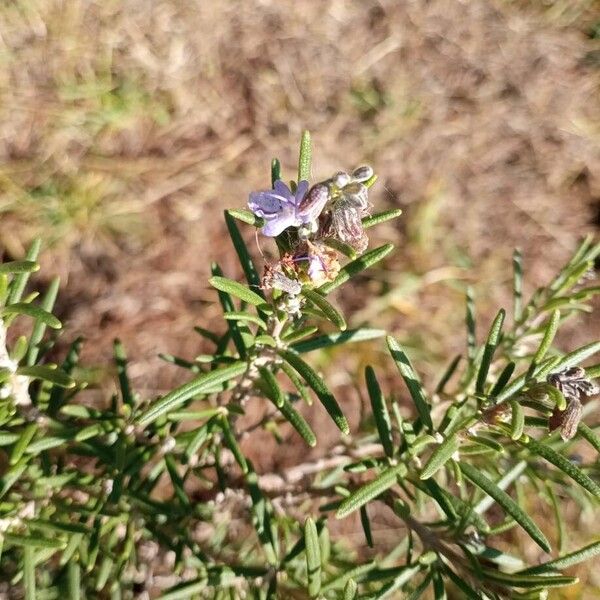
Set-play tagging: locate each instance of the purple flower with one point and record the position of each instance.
(282, 209)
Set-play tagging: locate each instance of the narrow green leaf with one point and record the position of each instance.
(200, 384)
(589, 436)
(512, 580)
(366, 526)
(242, 316)
(19, 266)
(39, 329)
(298, 384)
(368, 259)
(24, 439)
(341, 247)
(503, 379)
(356, 573)
(517, 285)
(17, 285)
(252, 276)
(568, 560)
(412, 381)
(506, 502)
(549, 333)
(380, 412)
(381, 217)
(74, 580)
(274, 391)
(262, 517)
(470, 322)
(275, 171)
(330, 312)
(28, 541)
(350, 590)
(564, 464)
(238, 290)
(334, 339)
(371, 490)
(571, 360)
(47, 373)
(246, 216)
(29, 310)
(507, 479)
(517, 420)
(317, 385)
(29, 573)
(305, 158)
(448, 374)
(440, 456)
(231, 443)
(121, 362)
(235, 330)
(488, 352)
(186, 591)
(313, 557)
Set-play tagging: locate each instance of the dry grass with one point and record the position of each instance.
(126, 127)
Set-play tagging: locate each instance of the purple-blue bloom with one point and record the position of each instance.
(280, 208)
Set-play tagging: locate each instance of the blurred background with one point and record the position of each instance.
(126, 127)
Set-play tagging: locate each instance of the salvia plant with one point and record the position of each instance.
(144, 497)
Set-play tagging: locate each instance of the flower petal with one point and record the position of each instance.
(266, 202)
(277, 223)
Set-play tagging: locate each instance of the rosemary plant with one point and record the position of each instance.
(154, 497)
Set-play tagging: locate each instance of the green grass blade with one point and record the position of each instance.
(506, 502)
(380, 412)
(356, 266)
(412, 381)
(317, 385)
(371, 490)
(488, 352)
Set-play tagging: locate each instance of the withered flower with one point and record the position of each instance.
(573, 384)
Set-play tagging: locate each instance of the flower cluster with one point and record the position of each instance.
(309, 223)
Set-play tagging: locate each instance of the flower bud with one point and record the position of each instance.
(362, 174)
